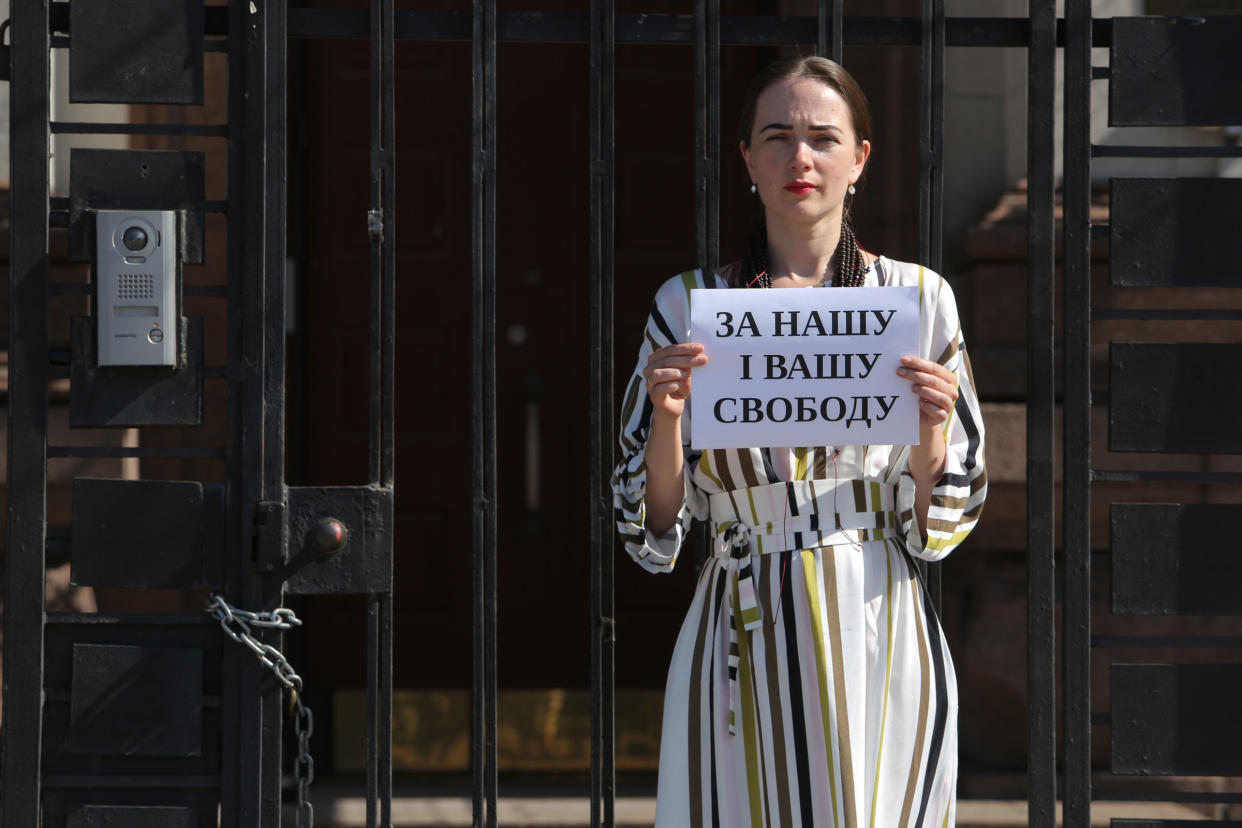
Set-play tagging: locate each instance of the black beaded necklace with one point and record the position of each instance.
(850, 271)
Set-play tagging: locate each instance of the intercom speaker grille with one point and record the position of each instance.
(135, 286)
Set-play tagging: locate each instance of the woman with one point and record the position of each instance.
(838, 707)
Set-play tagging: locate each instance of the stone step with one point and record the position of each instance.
(339, 809)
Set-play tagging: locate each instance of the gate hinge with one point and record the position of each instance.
(269, 535)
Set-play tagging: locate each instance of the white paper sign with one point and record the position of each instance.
(809, 367)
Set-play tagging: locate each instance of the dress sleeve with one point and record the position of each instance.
(668, 323)
(957, 498)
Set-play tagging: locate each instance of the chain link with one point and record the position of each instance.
(237, 625)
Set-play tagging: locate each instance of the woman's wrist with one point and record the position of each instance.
(665, 417)
(927, 459)
(665, 471)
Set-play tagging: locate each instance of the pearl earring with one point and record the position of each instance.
(851, 190)
(753, 189)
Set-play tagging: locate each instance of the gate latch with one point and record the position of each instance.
(339, 540)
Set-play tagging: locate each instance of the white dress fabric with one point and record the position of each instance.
(810, 684)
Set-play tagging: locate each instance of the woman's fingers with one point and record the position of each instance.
(668, 369)
(682, 349)
(929, 374)
(933, 384)
(935, 398)
(659, 376)
(684, 355)
(674, 362)
(932, 413)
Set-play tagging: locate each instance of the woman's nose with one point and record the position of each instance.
(801, 158)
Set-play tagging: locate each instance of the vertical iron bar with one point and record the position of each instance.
(388, 392)
(274, 252)
(272, 429)
(931, 120)
(705, 250)
(829, 41)
(925, 152)
(925, 137)
(935, 166)
(250, 362)
(1041, 583)
(713, 134)
(706, 154)
(257, 280)
(700, 132)
(931, 172)
(707, 131)
(603, 702)
(375, 231)
(237, 673)
(595, 403)
(373, 646)
(489, 422)
(483, 48)
(1076, 486)
(381, 228)
(29, 113)
(385, 727)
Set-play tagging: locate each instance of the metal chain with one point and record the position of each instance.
(237, 625)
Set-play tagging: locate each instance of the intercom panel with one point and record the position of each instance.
(136, 287)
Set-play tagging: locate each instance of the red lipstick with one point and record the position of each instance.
(800, 187)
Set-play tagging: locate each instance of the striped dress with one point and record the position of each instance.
(810, 684)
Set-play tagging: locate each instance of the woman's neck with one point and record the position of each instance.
(802, 255)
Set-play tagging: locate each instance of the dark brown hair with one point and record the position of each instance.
(827, 72)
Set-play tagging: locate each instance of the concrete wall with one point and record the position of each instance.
(984, 121)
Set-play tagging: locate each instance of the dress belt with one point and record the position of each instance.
(791, 516)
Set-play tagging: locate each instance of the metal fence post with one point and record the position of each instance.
(1040, 400)
(603, 677)
(29, 111)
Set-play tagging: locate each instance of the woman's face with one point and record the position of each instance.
(803, 153)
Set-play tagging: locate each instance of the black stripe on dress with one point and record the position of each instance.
(711, 695)
(972, 431)
(935, 643)
(769, 470)
(797, 712)
(793, 512)
(638, 435)
(658, 319)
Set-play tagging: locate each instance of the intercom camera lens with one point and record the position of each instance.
(135, 238)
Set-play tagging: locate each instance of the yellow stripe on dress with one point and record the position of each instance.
(812, 579)
(749, 726)
(888, 677)
(705, 466)
(689, 283)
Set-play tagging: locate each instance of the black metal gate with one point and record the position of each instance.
(81, 744)
(176, 719)
(1172, 276)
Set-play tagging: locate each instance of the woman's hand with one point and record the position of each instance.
(668, 376)
(936, 388)
(668, 384)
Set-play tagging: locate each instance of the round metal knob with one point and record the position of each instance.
(330, 536)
